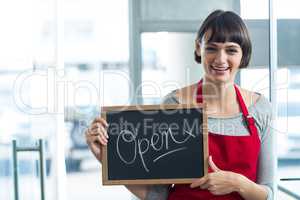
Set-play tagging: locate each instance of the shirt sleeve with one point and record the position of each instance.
(267, 156)
(170, 98)
(157, 192)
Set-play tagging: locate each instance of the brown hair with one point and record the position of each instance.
(226, 26)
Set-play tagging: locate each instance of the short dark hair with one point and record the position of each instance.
(226, 26)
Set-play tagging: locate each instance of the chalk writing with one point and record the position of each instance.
(158, 142)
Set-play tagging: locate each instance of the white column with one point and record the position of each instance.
(58, 142)
(273, 80)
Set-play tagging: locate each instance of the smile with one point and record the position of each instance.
(221, 69)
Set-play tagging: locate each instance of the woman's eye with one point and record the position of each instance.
(210, 49)
(231, 51)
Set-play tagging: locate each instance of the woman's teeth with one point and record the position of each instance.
(220, 68)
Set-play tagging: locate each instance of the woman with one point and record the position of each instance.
(240, 138)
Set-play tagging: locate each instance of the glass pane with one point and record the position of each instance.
(96, 74)
(193, 10)
(168, 64)
(256, 76)
(27, 34)
(250, 10)
(27, 49)
(288, 96)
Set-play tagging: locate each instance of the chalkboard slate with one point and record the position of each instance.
(154, 144)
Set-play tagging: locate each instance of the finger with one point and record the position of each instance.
(98, 118)
(212, 188)
(213, 165)
(97, 138)
(101, 120)
(90, 139)
(95, 125)
(104, 131)
(99, 130)
(198, 182)
(216, 192)
(219, 191)
(95, 146)
(206, 185)
(103, 139)
(91, 132)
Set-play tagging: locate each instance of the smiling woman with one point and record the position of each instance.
(239, 121)
(223, 47)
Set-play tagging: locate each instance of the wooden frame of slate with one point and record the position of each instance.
(155, 144)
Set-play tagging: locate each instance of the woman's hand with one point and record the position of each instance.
(96, 136)
(218, 182)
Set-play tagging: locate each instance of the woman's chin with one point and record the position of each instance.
(220, 79)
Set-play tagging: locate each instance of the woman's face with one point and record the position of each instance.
(220, 60)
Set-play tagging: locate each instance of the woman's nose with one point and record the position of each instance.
(221, 57)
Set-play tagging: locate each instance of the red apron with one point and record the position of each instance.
(230, 153)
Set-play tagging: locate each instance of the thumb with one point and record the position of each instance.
(96, 149)
(213, 165)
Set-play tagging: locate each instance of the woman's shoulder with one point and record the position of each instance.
(170, 98)
(256, 102)
(249, 97)
(262, 106)
(261, 110)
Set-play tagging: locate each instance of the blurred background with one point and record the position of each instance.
(60, 61)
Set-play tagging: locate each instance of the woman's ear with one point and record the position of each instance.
(198, 47)
(197, 52)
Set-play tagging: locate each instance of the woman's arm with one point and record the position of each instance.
(250, 190)
(220, 182)
(139, 191)
(267, 156)
(263, 189)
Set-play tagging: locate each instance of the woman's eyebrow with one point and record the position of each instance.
(211, 44)
(227, 46)
(232, 46)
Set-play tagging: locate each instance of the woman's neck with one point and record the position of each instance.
(220, 97)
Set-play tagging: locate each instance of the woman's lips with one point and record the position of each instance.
(220, 69)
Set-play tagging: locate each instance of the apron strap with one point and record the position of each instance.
(199, 98)
(249, 119)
